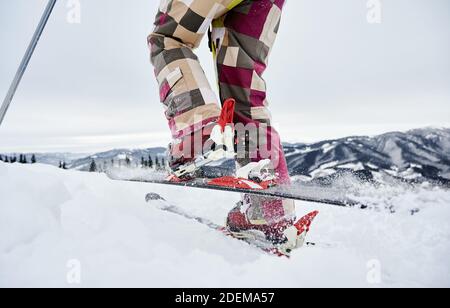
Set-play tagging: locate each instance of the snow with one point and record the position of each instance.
(329, 165)
(51, 220)
(353, 166)
(410, 174)
(322, 172)
(301, 178)
(392, 172)
(372, 166)
(395, 152)
(122, 156)
(328, 147)
(300, 151)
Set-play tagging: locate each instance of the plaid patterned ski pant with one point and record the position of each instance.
(243, 33)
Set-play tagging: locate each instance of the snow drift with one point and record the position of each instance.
(50, 218)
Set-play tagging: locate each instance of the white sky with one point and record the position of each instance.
(90, 86)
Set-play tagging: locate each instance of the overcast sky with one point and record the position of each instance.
(332, 73)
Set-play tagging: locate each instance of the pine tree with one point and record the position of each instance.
(13, 160)
(1, 158)
(112, 163)
(143, 162)
(128, 161)
(6, 160)
(163, 164)
(24, 159)
(64, 166)
(150, 162)
(156, 162)
(33, 159)
(60, 165)
(93, 166)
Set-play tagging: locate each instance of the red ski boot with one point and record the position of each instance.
(211, 144)
(246, 222)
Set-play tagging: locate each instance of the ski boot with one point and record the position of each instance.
(214, 143)
(246, 221)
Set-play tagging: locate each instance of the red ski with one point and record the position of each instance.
(303, 226)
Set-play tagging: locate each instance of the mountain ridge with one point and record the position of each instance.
(417, 155)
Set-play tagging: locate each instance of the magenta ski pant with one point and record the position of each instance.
(242, 36)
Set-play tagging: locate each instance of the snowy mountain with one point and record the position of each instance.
(415, 156)
(117, 156)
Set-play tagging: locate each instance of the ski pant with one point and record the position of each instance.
(243, 33)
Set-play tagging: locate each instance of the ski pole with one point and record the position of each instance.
(26, 59)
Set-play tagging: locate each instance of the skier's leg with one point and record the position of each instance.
(180, 25)
(243, 39)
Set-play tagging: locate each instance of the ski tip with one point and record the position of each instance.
(304, 223)
(309, 217)
(313, 214)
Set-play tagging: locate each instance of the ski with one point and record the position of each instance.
(300, 193)
(261, 245)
